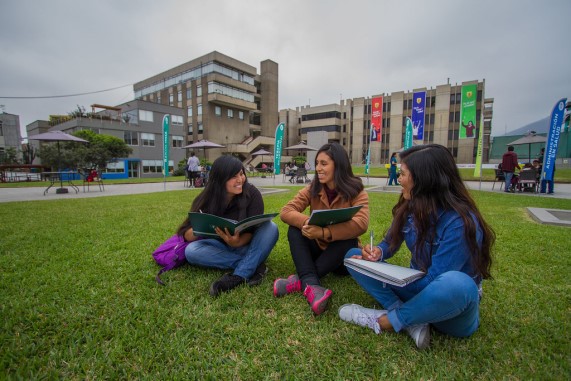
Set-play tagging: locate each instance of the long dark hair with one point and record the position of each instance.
(213, 198)
(438, 186)
(346, 183)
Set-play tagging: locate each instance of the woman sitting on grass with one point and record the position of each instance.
(229, 195)
(317, 251)
(449, 240)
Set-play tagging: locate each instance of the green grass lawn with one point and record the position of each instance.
(78, 300)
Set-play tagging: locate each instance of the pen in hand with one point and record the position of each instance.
(371, 235)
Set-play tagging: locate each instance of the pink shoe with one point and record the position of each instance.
(287, 286)
(317, 297)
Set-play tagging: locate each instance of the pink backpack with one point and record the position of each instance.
(170, 254)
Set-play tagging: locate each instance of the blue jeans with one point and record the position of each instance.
(450, 302)
(508, 176)
(243, 260)
(393, 177)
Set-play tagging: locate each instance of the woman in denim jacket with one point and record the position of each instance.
(449, 240)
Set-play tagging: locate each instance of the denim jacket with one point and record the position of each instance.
(450, 250)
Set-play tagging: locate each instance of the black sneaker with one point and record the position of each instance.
(226, 283)
(259, 275)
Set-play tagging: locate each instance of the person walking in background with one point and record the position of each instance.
(318, 251)
(509, 164)
(450, 241)
(228, 194)
(192, 168)
(393, 170)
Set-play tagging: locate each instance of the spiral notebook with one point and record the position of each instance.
(384, 272)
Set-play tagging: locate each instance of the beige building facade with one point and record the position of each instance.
(348, 123)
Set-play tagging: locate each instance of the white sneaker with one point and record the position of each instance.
(420, 334)
(365, 317)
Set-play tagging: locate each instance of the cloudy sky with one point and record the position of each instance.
(326, 49)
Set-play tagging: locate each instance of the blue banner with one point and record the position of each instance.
(368, 159)
(553, 140)
(418, 105)
(278, 147)
(166, 124)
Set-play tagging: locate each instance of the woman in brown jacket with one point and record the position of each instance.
(316, 251)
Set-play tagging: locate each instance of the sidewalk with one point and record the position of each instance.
(373, 184)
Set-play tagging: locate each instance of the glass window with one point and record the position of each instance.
(177, 141)
(199, 109)
(155, 166)
(176, 119)
(189, 111)
(131, 138)
(199, 90)
(171, 99)
(217, 110)
(145, 116)
(179, 98)
(241, 115)
(147, 139)
(230, 113)
(200, 129)
(190, 128)
(189, 93)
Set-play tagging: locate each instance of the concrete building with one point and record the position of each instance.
(348, 123)
(137, 122)
(10, 136)
(224, 100)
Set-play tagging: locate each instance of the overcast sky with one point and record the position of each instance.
(326, 50)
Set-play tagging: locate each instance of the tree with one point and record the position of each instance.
(9, 156)
(28, 153)
(100, 150)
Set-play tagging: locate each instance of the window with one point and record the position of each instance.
(200, 129)
(177, 141)
(145, 116)
(147, 139)
(189, 93)
(1, 128)
(230, 113)
(241, 115)
(155, 166)
(199, 90)
(176, 120)
(179, 98)
(190, 128)
(131, 138)
(117, 167)
(189, 113)
(217, 110)
(171, 99)
(199, 109)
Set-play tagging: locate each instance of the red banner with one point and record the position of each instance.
(376, 119)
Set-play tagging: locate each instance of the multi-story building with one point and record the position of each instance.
(10, 136)
(224, 100)
(349, 123)
(139, 124)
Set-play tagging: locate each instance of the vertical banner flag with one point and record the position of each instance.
(408, 133)
(166, 123)
(468, 111)
(376, 118)
(278, 147)
(553, 139)
(418, 104)
(478, 168)
(368, 158)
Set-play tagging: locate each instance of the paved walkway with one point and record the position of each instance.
(373, 184)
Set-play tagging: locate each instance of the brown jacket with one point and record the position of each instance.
(292, 214)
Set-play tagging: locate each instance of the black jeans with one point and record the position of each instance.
(312, 263)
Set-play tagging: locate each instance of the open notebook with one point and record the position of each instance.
(384, 272)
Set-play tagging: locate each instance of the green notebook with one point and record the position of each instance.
(324, 217)
(203, 224)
